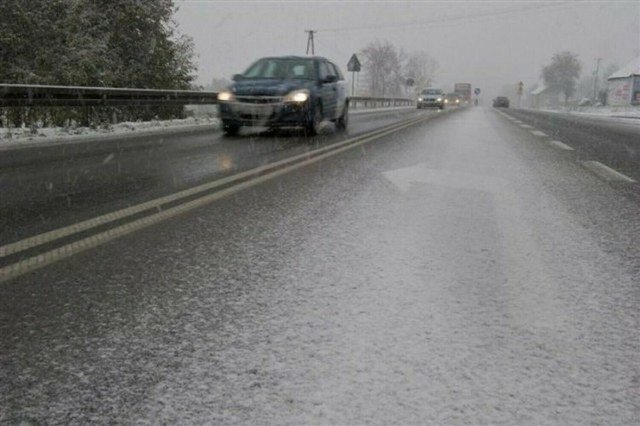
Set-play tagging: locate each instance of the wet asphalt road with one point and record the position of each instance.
(459, 271)
(612, 141)
(46, 188)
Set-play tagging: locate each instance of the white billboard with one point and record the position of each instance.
(619, 91)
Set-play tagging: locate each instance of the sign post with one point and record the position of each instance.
(520, 90)
(353, 66)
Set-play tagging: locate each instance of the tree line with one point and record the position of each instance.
(564, 74)
(115, 43)
(388, 69)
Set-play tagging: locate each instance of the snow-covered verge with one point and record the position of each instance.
(14, 137)
(606, 111)
(204, 119)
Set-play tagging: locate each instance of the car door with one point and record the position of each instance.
(328, 90)
(342, 91)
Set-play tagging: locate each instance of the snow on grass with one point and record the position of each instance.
(606, 111)
(44, 135)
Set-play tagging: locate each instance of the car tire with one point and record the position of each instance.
(315, 119)
(343, 121)
(230, 129)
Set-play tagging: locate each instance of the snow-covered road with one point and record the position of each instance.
(461, 271)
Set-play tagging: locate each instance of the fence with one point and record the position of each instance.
(356, 102)
(23, 95)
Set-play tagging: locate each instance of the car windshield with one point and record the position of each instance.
(281, 68)
(431, 92)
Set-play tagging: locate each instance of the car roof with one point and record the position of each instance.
(297, 57)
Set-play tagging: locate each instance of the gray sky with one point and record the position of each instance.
(489, 44)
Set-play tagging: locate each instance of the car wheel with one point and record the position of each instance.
(313, 126)
(343, 120)
(230, 129)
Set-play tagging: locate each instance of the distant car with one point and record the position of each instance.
(288, 91)
(431, 98)
(452, 99)
(585, 102)
(501, 102)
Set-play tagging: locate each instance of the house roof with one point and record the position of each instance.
(632, 68)
(543, 88)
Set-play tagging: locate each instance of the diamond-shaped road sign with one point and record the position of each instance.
(354, 64)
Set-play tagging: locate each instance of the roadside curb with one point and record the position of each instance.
(135, 134)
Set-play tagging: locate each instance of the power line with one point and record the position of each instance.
(456, 19)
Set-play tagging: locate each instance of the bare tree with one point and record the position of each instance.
(562, 73)
(383, 65)
(421, 67)
(587, 84)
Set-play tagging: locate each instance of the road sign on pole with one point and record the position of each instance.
(477, 91)
(353, 66)
(520, 91)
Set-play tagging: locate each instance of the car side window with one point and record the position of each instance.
(326, 70)
(336, 71)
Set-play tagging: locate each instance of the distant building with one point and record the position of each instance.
(623, 86)
(545, 97)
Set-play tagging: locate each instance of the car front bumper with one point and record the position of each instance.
(430, 103)
(278, 114)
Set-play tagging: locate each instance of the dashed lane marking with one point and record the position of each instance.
(526, 126)
(606, 172)
(538, 133)
(560, 145)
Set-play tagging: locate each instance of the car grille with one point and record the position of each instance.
(259, 99)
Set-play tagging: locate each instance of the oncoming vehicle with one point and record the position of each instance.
(501, 102)
(452, 99)
(431, 98)
(288, 91)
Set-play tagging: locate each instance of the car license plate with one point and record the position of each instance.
(255, 110)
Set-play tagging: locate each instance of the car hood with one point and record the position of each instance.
(268, 87)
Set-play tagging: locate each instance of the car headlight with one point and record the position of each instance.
(446, 101)
(439, 99)
(225, 96)
(297, 96)
(457, 101)
(419, 99)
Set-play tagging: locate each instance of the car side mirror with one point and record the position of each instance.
(330, 79)
(237, 77)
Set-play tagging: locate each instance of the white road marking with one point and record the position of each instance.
(538, 133)
(606, 172)
(560, 145)
(40, 260)
(517, 121)
(526, 126)
(56, 234)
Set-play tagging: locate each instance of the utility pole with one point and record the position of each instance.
(595, 81)
(310, 34)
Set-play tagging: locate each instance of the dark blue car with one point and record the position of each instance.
(288, 91)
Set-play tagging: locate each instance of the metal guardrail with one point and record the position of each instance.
(356, 102)
(25, 95)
